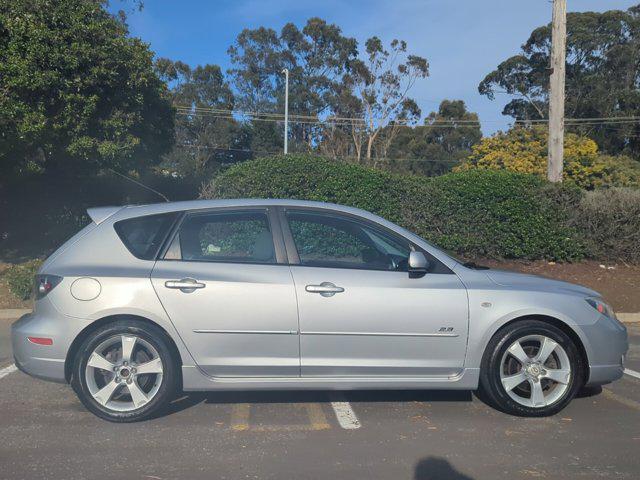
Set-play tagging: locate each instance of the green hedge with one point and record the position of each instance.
(493, 214)
(19, 278)
(309, 178)
(474, 213)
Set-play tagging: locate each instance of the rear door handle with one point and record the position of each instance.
(186, 285)
(326, 289)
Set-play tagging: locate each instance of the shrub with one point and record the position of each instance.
(495, 214)
(477, 212)
(524, 150)
(19, 278)
(619, 171)
(610, 222)
(308, 177)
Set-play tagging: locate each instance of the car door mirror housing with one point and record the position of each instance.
(418, 264)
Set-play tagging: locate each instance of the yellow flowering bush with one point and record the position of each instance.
(524, 150)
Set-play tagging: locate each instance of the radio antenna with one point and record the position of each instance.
(140, 184)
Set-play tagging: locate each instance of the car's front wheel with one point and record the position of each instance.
(531, 368)
(124, 371)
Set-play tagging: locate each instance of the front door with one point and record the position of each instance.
(360, 313)
(230, 297)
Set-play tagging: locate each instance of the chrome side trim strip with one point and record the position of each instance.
(263, 332)
(359, 334)
(383, 334)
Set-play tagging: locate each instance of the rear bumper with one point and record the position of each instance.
(40, 361)
(46, 362)
(51, 370)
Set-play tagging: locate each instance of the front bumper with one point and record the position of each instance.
(606, 342)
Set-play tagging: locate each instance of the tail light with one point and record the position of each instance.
(44, 284)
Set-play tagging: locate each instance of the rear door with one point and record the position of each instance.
(360, 312)
(224, 283)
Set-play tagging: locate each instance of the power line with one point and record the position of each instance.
(230, 149)
(188, 110)
(452, 124)
(389, 159)
(331, 121)
(311, 120)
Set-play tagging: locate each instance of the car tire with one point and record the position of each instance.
(121, 391)
(547, 385)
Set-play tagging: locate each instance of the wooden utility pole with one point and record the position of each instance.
(286, 110)
(556, 91)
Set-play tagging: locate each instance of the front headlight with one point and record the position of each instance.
(601, 307)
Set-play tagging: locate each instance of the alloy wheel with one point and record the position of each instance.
(535, 371)
(124, 373)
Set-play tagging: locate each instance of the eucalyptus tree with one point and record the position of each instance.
(207, 134)
(602, 77)
(317, 57)
(340, 102)
(382, 82)
(444, 140)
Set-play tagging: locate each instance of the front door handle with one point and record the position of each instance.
(186, 285)
(326, 289)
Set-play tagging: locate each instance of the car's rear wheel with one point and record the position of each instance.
(124, 371)
(531, 368)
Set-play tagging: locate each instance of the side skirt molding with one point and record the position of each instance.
(194, 380)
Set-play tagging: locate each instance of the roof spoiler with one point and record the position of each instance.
(100, 214)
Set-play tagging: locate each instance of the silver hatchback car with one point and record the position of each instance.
(150, 300)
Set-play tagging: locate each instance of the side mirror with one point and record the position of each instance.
(418, 265)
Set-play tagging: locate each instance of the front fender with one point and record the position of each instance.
(490, 310)
(481, 338)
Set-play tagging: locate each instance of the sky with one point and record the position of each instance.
(463, 40)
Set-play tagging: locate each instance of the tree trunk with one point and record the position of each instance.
(371, 139)
(357, 144)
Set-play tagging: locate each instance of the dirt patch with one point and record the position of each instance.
(618, 283)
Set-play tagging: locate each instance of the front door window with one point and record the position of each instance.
(326, 240)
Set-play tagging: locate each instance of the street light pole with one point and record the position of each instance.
(286, 110)
(556, 91)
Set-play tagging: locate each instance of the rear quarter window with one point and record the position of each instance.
(143, 236)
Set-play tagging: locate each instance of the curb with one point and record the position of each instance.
(629, 317)
(15, 313)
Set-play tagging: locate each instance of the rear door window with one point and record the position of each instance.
(143, 236)
(234, 236)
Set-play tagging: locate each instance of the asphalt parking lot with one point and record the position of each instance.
(46, 433)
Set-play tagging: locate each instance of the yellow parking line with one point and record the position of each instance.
(240, 417)
(317, 420)
(620, 399)
(283, 428)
